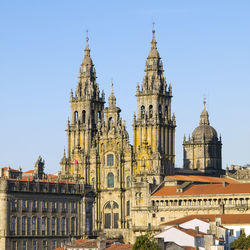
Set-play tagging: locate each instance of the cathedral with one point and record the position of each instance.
(124, 176)
(112, 190)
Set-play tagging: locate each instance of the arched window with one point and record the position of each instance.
(83, 116)
(159, 110)
(13, 225)
(33, 222)
(63, 226)
(142, 112)
(150, 111)
(23, 225)
(75, 116)
(166, 111)
(128, 208)
(128, 181)
(110, 180)
(73, 226)
(53, 225)
(110, 160)
(99, 115)
(111, 215)
(43, 225)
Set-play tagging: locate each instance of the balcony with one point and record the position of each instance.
(34, 209)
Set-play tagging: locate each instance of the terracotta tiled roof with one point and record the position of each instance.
(197, 178)
(120, 246)
(30, 178)
(226, 219)
(191, 232)
(188, 248)
(29, 172)
(203, 189)
(12, 169)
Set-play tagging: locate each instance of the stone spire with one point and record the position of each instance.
(87, 66)
(112, 99)
(204, 115)
(87, 86)
(153, 62)
(153, 80)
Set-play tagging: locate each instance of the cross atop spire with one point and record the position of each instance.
(112, 99)
(204, 103)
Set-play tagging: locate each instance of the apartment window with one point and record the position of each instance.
(34, 245)
(34, 205)
(231, 232)
(63, 226)
(38, 225)
(14, 245)
(53, 225)
(23, 225)
(162, 219)
(73, 207)
(44, 206)
(33, 222)
(48, 226)
(24, 205)
(53, 206)
(64, 207)
(58, 226)
(24, 245)
(14, 204)
(44, 244)
(73, 226)
(54, 245)
(242, 231)
(43, 225)
(28, 225)
(13, 225)
(110, 159)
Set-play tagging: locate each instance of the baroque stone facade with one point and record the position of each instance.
(117, 189)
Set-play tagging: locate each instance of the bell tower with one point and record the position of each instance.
(86, 111)
(154, 126)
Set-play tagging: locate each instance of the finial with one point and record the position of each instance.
(87, 37)
(153, 24)
(112, 86)
(204, 102)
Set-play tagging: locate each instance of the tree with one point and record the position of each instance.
(242, 242)
(146, 242)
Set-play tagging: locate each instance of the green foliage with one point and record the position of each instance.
(146, 242)
(242, 242)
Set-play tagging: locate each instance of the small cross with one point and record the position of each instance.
(153, 25)
(87, 33)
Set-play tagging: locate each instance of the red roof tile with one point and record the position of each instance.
(197, 178)
(202, 189)
(226, 219)
(120, 246)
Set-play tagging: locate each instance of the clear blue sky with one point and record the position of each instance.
(204, 45)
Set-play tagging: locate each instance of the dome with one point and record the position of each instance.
(204, 129)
